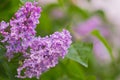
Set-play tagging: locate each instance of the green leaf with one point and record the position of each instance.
(80, 52)
(4, 66)
(77, 74)
(75, 10)
(91, 77)
(24, 1)
(2, 52)
(8, 8)
(65, 71)
(7, 70)
(97, 34)
(42, 31)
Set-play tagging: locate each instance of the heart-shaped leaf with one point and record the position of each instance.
(80, 52)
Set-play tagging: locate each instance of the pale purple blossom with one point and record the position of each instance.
(22, 29)
(25, 21)
(3, 26)
(86, 27)
(44, 54)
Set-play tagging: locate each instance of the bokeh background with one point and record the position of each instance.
(81, 18)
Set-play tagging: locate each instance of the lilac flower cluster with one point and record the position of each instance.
(39, 53)
(45, 53)
(22, 29)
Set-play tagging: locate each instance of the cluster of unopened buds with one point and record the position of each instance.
(39, 53)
